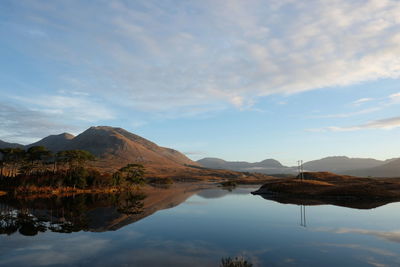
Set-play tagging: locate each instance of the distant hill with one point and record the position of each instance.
(268, 166)
(54, 142)
(389, 169)
(337, 164)
(341, 164)
(13, 145)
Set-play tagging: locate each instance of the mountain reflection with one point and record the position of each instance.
(85, 212)
(63, 214)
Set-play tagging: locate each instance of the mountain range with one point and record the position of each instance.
(268, 166)
(337, 164)
(116, 147)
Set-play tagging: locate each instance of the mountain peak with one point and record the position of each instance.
(66, 135)
(55, 142)
(13, 145)
(103, 128)
(119, 146)
(271, 163)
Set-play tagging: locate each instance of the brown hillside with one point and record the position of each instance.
(115, 147)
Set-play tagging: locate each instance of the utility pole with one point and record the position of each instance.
(303, 221)
(300, 169)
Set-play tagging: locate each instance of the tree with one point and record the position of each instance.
(75, 158)
(132, 203)
(3, 157)
(11, 158)
(117, 178)
(132, 174)
(235, 262)
(37, 153)
(36, 157)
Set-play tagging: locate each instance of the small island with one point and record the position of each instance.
(318, 188)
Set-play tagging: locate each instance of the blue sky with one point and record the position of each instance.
(240, 80)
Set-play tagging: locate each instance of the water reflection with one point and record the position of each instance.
(193, 229)
(348, 202)
(88, 212)
(64, 214)
(303, 221)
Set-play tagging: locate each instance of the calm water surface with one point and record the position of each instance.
(194, 229)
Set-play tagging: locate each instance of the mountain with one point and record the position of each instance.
(6, 145)
(341, 164)
(54, 142)
(337, 164)
(268, 166)
(117, 146)
(391, 168)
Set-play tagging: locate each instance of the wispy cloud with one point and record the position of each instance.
(349, 114)
(361, 101)
(384, 124)
(394, 98)
(79, 106)
(156, 56)
(23, 125)
(393, 236)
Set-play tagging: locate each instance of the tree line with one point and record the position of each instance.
(38, 166)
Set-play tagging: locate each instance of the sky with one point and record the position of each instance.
(239, 80)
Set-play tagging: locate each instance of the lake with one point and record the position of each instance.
(188, 226)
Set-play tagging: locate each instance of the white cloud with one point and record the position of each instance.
(78, 106)
(361, 101)
(395, 98)
(385, 124)
(157, 56)
(349, 114)
(23, 125)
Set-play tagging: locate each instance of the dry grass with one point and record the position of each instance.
(326, 184)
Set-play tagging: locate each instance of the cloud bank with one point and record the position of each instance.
(164, 55)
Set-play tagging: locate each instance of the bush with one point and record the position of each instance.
(236, 262)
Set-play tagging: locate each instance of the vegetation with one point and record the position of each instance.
(229, 184)
(39, 167)
(330, 188)
(131, 174)
(160, 181)
(235, 262)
